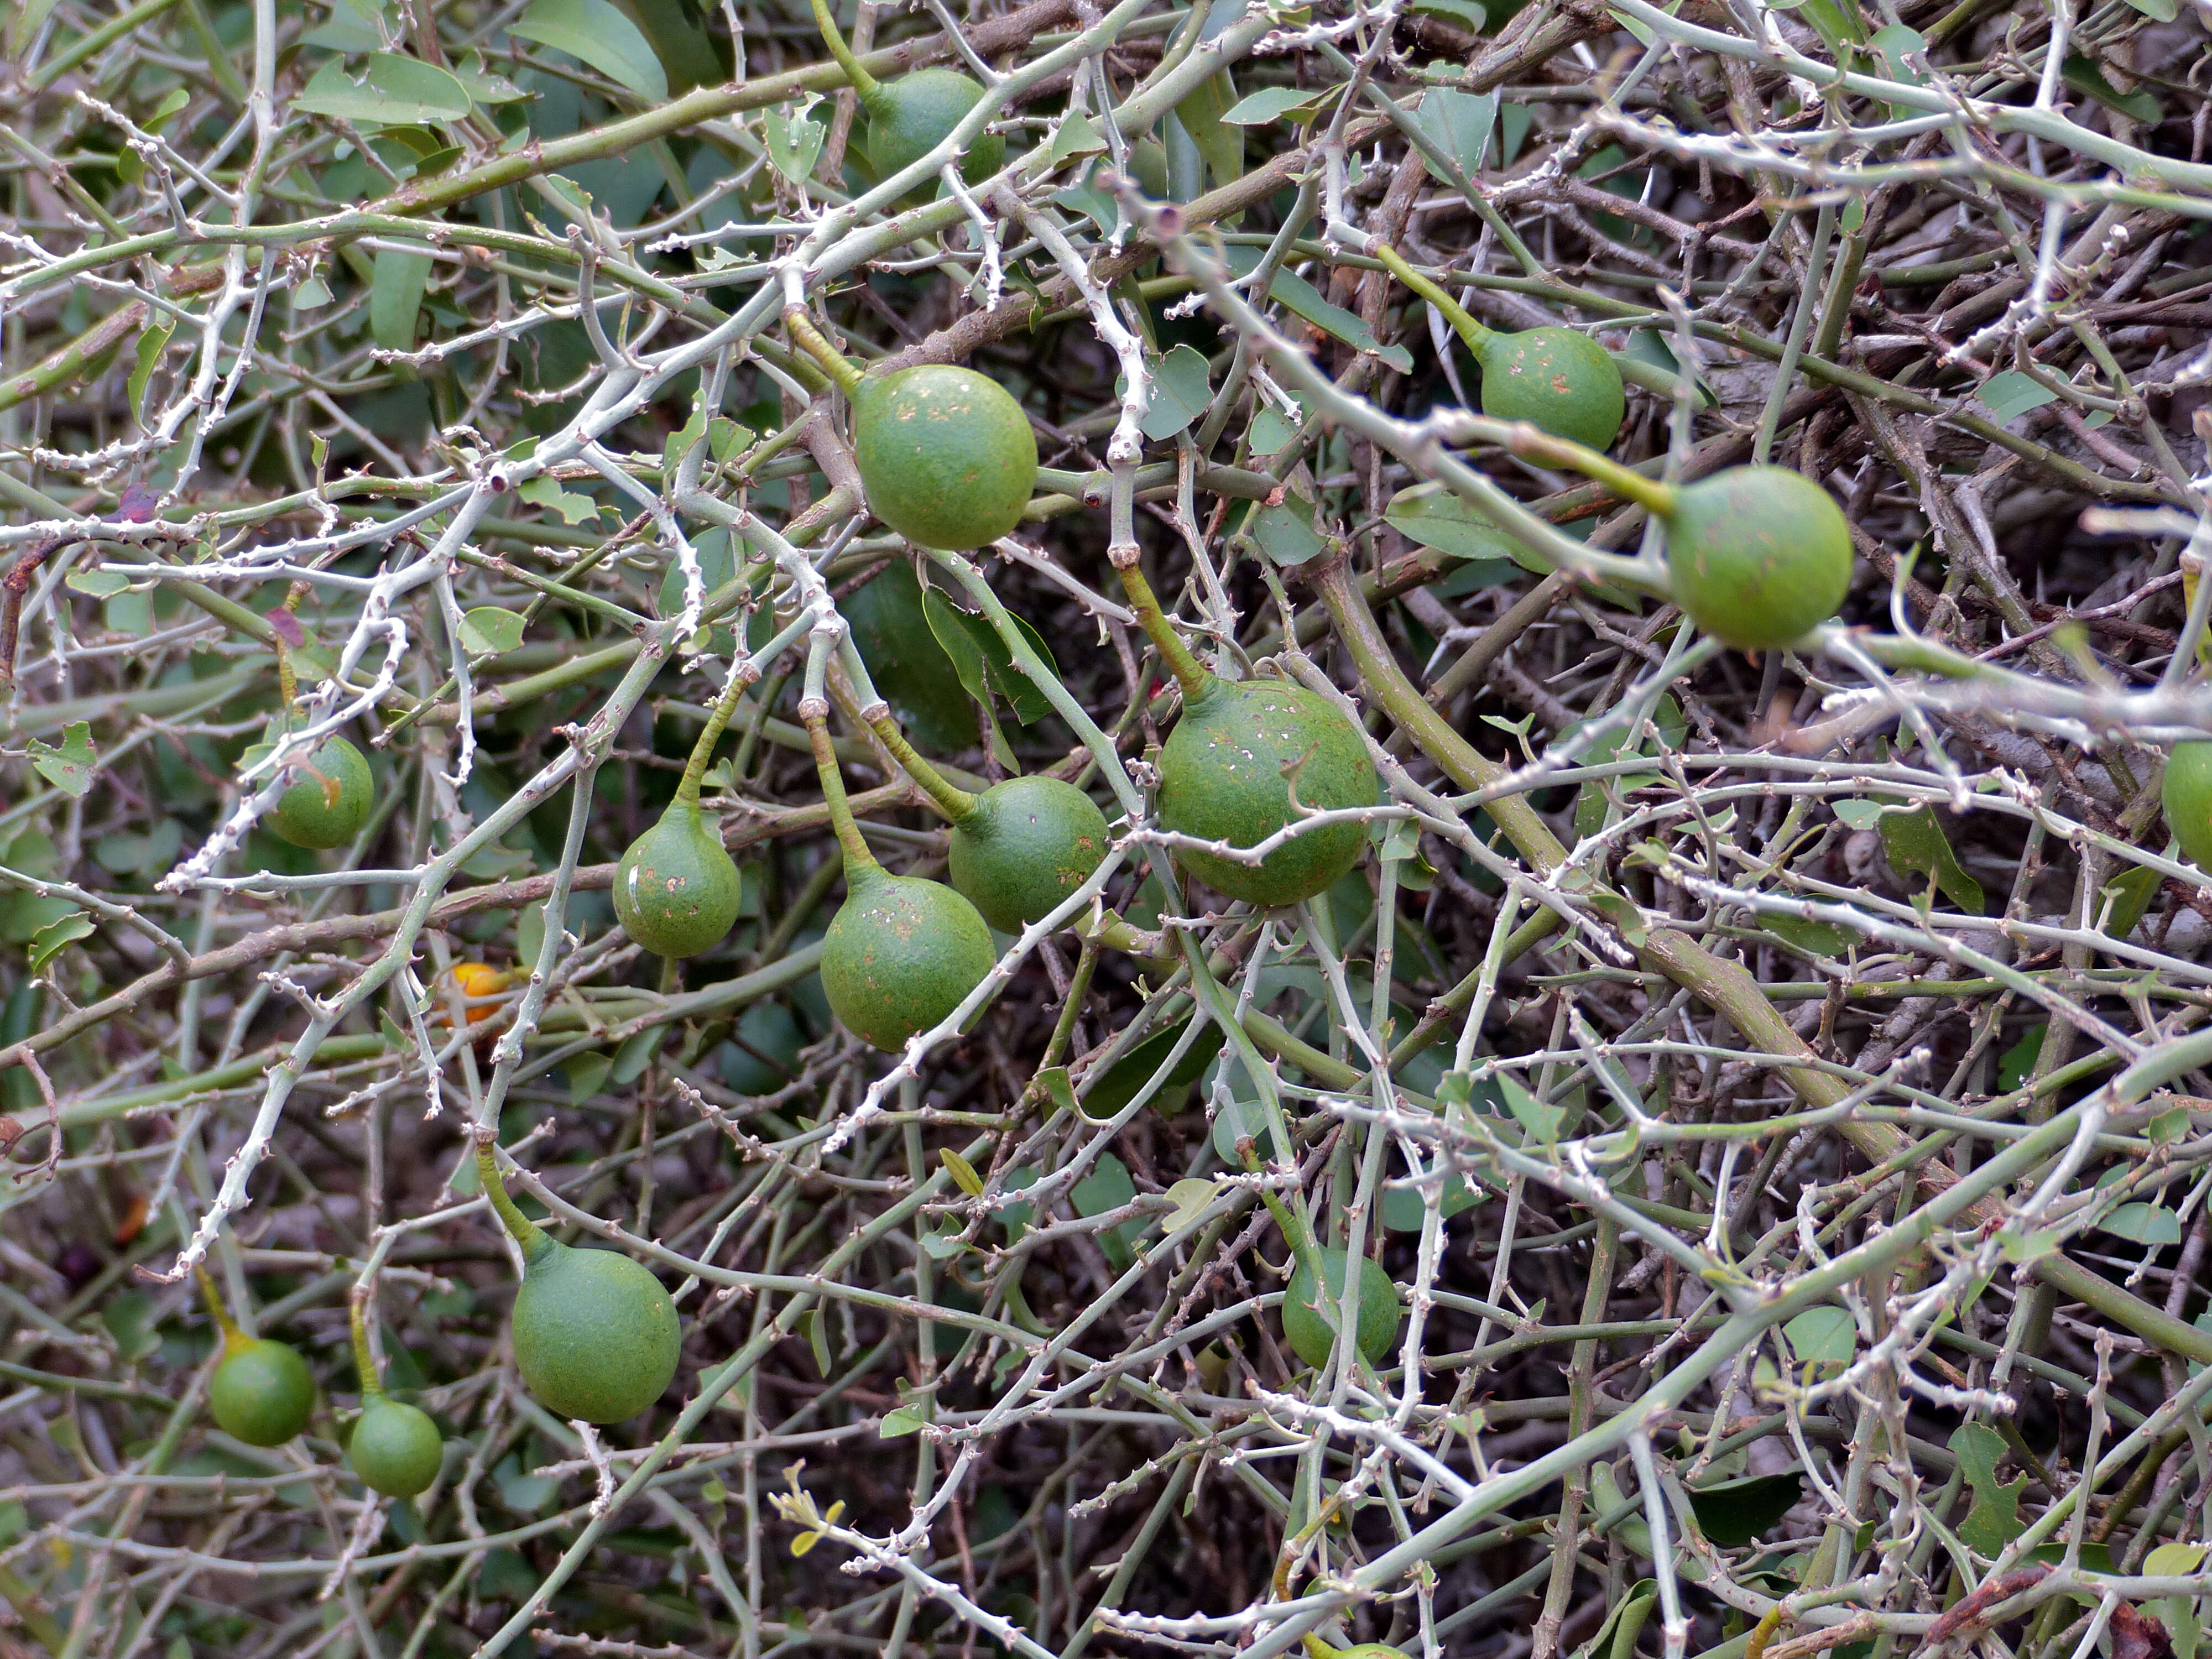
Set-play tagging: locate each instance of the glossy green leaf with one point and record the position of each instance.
(487, 630)
(2010, 394)
(1917, 846)
(395, 297)
(69, 766)
(1110, 1094)
(1180, 393)
(386, 89)
(595, 32)
(1732, 1513)
(47, 943)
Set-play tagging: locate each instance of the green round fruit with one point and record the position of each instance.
(1221, 779)
(1757, 555)
(2187, 795)
(1376, 1301)
(262, 1392)
(901, 954)
(329, 798)
(396, 1448)
(676, 888)
(911, 116)
(595, 1334)
(1558, 380)
(945, 455)
(1029, 843)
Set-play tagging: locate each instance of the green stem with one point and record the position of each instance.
(363, 1361)
(840, 368)
(956, 803)
(859, 860)
(832, 37)
(520, 1227)
(1190, 673)
(703, 750)
(1465, 326)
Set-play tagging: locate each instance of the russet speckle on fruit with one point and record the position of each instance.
(1028, 844)
(676, 890)
(945, 455)
(901, 954)
(1758, 555)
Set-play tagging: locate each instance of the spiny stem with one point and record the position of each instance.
(832, 37)
(858, 858)
(1190, 673)
(703, 750)
(840, 368)
(520, 1226)
(956, 803)
(1468, 329)
(372, 1387)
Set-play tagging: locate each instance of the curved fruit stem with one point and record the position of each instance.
(956, 803)
(1191, 674)
(742, 674)
(233, 1338)
(520, 1227)
(840, 368)
(864, 83)
(372, 1387)
(859, 860)
(1465, 326)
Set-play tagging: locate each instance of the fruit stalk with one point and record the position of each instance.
(744, 672)
(864, 83)
(1454, 314)
(840, 368)
(233, 1338)
(372, 1386)
(520, 1227)
(814, 715)
(954, 802)
(1190, 673)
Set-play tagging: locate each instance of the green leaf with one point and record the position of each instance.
(1285, 531)
(129, 1316)
(1303, 299)
(1917, 845)
(69, 767)
(2145, 1224)
(1541, 1121)
(151, 345)
(2164, 11)
(2083, 76)
(908, 664)
(1076, 136)
(1733, 1513)
(2131, 891)
(47, 943)
(1824, 941)
(2010, 394)
(1106, 1188)
(1190, 1196)
(587, 1075)
(488, 631)
(100, 584)
(1460, 124)
(1405, 1208)
(1110, 1094)
(902, 1420)
(1435, 517)
(546, 492)
(1268, 105)
(1181, 391)
(388, 90)
(1200, 113)
(1855, 814)
(794, 141)
(982, 659)
(395, 297)
(1994, 1521)
(595, 32)
(1823, 1337)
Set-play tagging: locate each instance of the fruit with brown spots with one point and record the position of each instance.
(676, 889)
(329, 799)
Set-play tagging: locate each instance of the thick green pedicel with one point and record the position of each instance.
(1375, 1298)
(1027, 845)
(1556, 379)
(911, 116)
(901, 954)
(396, 1448)
(1758, 555)
(945, 455)
(1221, 779)
(676, 890)
(595, 1334)
(331, 799)
(2187, 795)
(262, 1392)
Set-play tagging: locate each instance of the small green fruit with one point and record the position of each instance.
(1376, 1301)
(901, 954)
(676, 888)
(1221, 779)
(911, 116)
(2187, 797)
(262, 1392)
(945, 455)
(596, 1335)
(330, 799)
(396, 1448)
(1558, 380)
(1757, 555)
(1028, 843)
